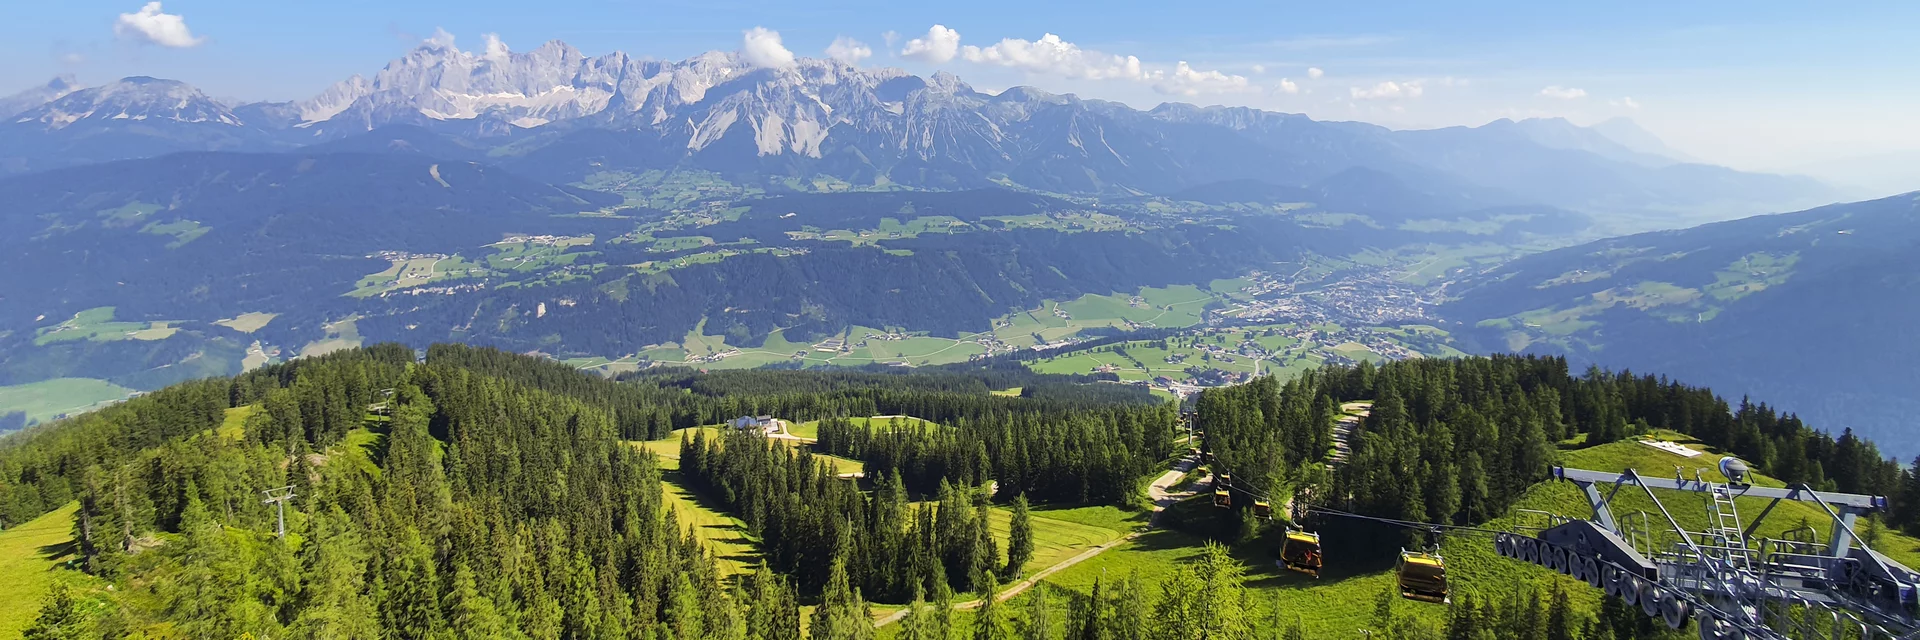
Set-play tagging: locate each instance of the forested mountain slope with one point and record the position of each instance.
(1806, 309)
(230, 233)
(484, 493)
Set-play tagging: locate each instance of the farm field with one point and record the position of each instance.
(97, 324)
(248, 322)
(44, 400)
(340, 335)
(411, 272)
(520, 255)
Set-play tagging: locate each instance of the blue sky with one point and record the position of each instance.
(1762, 85)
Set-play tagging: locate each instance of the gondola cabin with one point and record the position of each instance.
(1262, 510)
(1222, 496)
(1423, 576)
(1301, 552)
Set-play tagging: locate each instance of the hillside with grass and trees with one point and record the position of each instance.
(475, 493)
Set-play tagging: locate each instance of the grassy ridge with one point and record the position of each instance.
(32, 557)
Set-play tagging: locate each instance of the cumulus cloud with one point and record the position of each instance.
(938, 46)
(1563, 93)
(1287, 86)
(1259, 69)
(1051, 55)
(1188, 81)
(1389, 90)
(1625, 102)
(71, 58)
(496, 50)
(440, 38)
(150, 26)
(848, 50)
(1315, 73)
(761, 47)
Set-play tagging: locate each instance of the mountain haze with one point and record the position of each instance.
(558, 115)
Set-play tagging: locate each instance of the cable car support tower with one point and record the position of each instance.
(1735, 585)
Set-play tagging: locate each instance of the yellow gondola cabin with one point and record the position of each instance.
(1301, 552)
(1423, 576)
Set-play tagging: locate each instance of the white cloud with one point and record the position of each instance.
(938, 46)
(761, 47)
(849, 50)
(1052, 55)
(1563, 93)
(1315, 73)
(1625, 102)
(440, 38)
(496, 50)
(890, 37)
(1188, 82)
(1287, 86)
(1389, 90)
(153, 27)
(1259, 69)
(72, 58)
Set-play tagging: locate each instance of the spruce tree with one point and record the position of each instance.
(1039, 624)
(1383, 608)
(684, 613)
(1562, 621)
(943, 612)
(58, 619)
(1091, 623)
(1019, 538)
(988, 620)
(470, 615)
(917, 623)
(413, 603)
(1129, 620)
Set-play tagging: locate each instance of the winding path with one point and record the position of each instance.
(1160, 491)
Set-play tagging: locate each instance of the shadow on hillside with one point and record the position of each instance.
(59, 550)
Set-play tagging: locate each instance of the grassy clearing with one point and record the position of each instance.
(47, 399)
(233, 425)
(1103, 516)
(32, 556)
(1054, 541)
(724, 535)
(811, 428)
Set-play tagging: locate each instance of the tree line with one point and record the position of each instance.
(1089, 455)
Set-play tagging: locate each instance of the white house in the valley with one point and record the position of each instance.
(768, 424)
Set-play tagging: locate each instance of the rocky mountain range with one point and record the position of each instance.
(559, 115)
